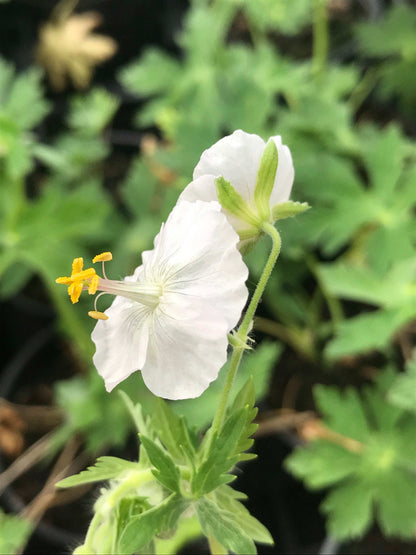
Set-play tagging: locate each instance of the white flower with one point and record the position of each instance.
(237, 158)
(171, 318)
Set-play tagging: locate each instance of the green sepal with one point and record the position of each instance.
(167, 473)
(141, 529)
(234, 203)
(265, 179)
(288, 209)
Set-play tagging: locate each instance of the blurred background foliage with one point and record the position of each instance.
(89, 164)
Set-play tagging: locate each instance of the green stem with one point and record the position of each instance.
(320, 37)
(245, 326)
(333, 303)
(94, 524)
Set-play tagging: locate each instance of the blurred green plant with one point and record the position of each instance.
(14, 533)
(365, 452)
(348, 283)
(395, 72)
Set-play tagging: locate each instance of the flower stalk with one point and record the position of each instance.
(246, 324)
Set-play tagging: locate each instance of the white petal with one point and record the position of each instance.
(284, 176)
(235, 157)
(197, 254)
(202, 188)
(185, 353)
(121, 341)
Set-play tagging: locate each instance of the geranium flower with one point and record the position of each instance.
(171, 318)
(237, 158)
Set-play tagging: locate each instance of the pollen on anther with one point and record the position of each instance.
(97, 315)
(74, 291)
(77, 265)
(92, 288)
(103, 257)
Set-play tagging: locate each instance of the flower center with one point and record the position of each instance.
(147, 294)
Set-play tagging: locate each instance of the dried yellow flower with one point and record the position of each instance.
(68, 50)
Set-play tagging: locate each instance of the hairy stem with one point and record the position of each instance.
(245, 326)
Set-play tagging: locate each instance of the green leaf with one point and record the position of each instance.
(226, 499)
(166, 471)
(378, 472)
(234, 203)
(245, 401)
(100, 417)
(365, 332)
(397, 511)
(403, 390)
(172, 430)
(14, 533)
(21, 96)
(154, 73)
(349, 510)
(141, 529)
(91, 113)
(343, 411)
(222, 455)
(288, 17)
(105, 468)
(222, 525)
(265, 179)
(322, 464)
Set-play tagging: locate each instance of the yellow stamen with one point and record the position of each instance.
(103, 257)
(77, 265)
(74, 291)
(79, 279)
(97, 315)
(85, 274)
(95, 280)
(64, 280)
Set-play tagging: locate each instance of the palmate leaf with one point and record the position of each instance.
(375, 214)
(21, 96)
(91, 113)
(394, 293)
(398, 54)
(375, 479)
(64, 222)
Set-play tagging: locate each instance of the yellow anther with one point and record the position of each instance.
(92, 288)
(97, 315)
(64, 280)
(77, 265)
(103, 257)
(74, 291)
(85, 274)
